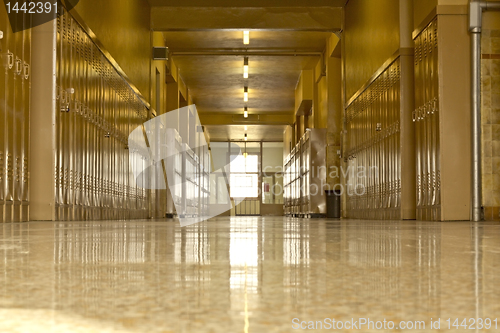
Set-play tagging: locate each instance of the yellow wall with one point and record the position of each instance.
(321, 109)
(491, 20)
(422, 8)
(319, 115)
(123, 27)
(452, 2)
(158, 65)
(371, 36)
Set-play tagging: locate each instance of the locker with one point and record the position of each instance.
(15, 49)
(373, 148)
(426, 120)
(304, 176)
(5, 62)
(96, 110)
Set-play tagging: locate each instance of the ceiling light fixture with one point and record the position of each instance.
(245, 113)
(246, 138)
(246, 37)
(245, 94)
(246, 128)
(245, 68)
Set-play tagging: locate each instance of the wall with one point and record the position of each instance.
(158, 66)
(123, 28)
(491, 20)
(421, 9)
(490, 118)
(272, 160)
(334, 124)
(371, 36)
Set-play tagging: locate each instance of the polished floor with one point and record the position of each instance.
(245, 274)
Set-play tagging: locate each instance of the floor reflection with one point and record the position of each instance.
(244, 274)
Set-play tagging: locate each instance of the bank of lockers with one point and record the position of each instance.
(189, 170)
(96, 111)
(426, 120)
(204, 176)
(305, 176)
(15, 85)
(373, 154)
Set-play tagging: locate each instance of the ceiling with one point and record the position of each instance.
(210, 59)
(216, 82)
(247, 3)
(270, 133)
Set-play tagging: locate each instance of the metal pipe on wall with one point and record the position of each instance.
(476, 125)
(476, 9)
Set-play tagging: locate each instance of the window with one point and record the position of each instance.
(244, 179)
(244, 185)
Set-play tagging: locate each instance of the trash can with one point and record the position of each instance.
(332, 203)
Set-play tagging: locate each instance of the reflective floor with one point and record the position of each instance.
(246, 275)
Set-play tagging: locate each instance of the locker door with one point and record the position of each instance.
(12, 64)
(417, 122)
(26, 78)
(4, 69)
(435, 117)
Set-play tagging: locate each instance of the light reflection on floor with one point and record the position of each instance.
(243, 274)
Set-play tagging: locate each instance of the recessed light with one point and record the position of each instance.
(245, 68)
(246, 37)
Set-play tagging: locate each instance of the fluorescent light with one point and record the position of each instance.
(245, 68)
(245, 114)
(245, 94)
(246, 138)
(246, 127)
(246, 37)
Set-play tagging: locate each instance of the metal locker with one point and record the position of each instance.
(21, 123)
(435, 123)
(58, 111)
(426, 119)
(96, 111)
(10, 87)
(372, 123)
(5, 62)
(15, 53)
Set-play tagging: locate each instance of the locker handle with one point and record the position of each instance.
(434, 105)
(421, 113)
(63, 96)
(26, 71)
(18, 66)
(10, 59)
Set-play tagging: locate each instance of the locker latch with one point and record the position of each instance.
(19, 66)
(379, 127)
(10, 59)
(26, 71)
